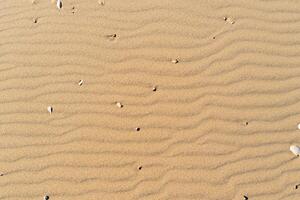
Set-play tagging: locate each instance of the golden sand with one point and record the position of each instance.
(210, 92)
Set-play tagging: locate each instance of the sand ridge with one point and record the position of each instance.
(149, 99)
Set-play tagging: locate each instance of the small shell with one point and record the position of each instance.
(50, 109)
(119, 104)
(295, 150)
(174, 61)
(101, 2)
(59, 4)
(111, 36)
(80, 82)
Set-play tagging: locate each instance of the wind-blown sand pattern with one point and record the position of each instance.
(209, 94)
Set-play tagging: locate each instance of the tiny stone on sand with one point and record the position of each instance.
(50, 109)
(174, 61)
(46, 197)
(295, 150)
(229, 20)
(101, 2)
(59, 4)
(111, 36)
(137, 128)
(80, 82)
(154, 88)
(119, 104)
(298, 126)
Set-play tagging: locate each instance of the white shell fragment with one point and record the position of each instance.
(50, 109)
(175, 61)
(229, 20)
(59, 4)
(295, 150)
(119, 105)
(80, 82)
(101, 2)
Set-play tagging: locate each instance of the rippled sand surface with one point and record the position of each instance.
(149, 100)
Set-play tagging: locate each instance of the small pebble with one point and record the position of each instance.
(111, 36)
(119, 105)
(137, 129)
(50, 109)
(174, 61)
(296, 187)
(140, 167)
(59, 4)
(245, 197)
(154, 88)
(80, 82)
(35, 20)
(1, 174)
(298, 126)
(295, 150)
(101, 2)
(228, 19)
(46, 197)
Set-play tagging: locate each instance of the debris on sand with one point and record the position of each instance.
(80, 82)
(119, 104)
(229, 20)
(175, 61)
(59, 4)
(101, 2)
(50, 109)
(295, 150)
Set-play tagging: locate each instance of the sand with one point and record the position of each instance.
(150, 100)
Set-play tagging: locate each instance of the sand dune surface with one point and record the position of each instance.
(149, 100)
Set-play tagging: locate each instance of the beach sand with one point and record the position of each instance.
(149, 100)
